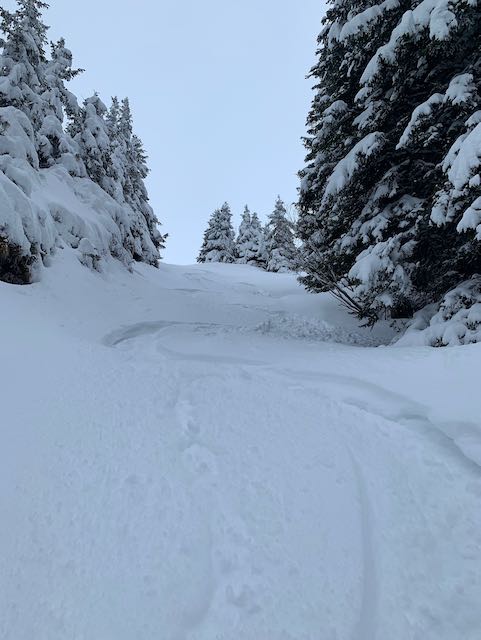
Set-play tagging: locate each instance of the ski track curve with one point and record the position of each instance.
(353, 399)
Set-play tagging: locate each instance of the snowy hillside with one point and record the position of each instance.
(190, 453)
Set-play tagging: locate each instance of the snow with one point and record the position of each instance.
(464, 159)
(471, 219)
(43, 209)
(195, 452)
(363, 20)
(460, 91)
(350, 164)
(433, 15)
(457, 321)
(421, 111)
(461, 165)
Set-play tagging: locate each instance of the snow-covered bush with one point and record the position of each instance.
(457, 320)
(89, 255)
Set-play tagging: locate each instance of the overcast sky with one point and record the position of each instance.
(218, 92)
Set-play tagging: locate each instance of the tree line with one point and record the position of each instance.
(271, 247)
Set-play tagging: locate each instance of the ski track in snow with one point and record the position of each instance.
(368, 616)
(464, 436)
(174, 473)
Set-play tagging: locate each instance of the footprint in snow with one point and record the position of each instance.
(242, 596)
(189, 427)
(200, 460)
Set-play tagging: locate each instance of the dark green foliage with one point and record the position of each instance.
(379, 213)
(15, 266)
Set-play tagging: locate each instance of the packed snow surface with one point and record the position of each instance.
(210, 453)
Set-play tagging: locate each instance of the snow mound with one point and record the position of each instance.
(298, 327)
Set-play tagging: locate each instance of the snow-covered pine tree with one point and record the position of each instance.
(57, 146)
(219, 237)
(138, 171)
(115, 160)
(257, 225)
(23, 59)
(129, 168)
(250, 244)
(35, 85)
(243, 236)
(113, 116)
(135, 168)
(118, 150)
(281, 251)
(260, 259)
(37, 153)
(396, 98)
(90, 131)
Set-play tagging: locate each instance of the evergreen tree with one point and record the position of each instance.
(22, 238)
(113, 116)
(35, 85)
(23, 60)
(139, 197)
(58, 71)
(395, 105)
(282, 254)
(34, 103)
(219, 243)
(129, 168)
(55, 143)
(260, 258)
(243, 234)
(135, 167)
(250, 243)
(117, 150)
(90, 132)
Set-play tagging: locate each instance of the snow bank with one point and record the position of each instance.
(298, 327)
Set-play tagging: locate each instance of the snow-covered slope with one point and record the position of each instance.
(208, 452)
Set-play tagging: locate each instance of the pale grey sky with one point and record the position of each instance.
(218, 91)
